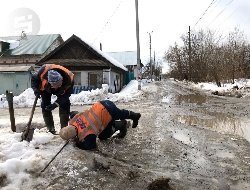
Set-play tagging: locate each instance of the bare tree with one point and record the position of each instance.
(209, 59)
(175, 56)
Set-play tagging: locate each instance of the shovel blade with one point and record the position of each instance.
(27, 135)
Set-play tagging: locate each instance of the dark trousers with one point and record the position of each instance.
(62, 100)
(116, 114)
(114, 111)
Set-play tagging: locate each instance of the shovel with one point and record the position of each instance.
(55, 156)
(29, 131)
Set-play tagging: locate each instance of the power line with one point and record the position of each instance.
(223, 22)
(232, 13)
(106, 23)
(108, 20)
(217, 3)
(213, 1)
(220, 12)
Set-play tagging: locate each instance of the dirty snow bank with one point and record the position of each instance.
(240, 88)
(128, 93)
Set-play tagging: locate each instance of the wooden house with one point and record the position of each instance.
(92, 67)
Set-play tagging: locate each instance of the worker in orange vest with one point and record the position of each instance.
(98, 121)
(57, 80)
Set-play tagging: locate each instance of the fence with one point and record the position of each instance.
(77, 89)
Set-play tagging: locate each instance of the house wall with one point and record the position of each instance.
(115, 82)
(106, 76)
(113, 79)
(83, 78)
(24, 60)
(15, 82)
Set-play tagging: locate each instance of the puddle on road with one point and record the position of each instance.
(219, 122)
(191, 98)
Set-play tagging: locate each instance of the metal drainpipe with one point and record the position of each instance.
(110, 79)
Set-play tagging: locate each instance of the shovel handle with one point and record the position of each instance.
(32, 111)
(55, 156)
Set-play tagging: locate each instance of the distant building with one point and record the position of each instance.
(15, 79)
(129, 60)
(18, 56)
(26, 49)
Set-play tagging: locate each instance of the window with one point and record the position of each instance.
(93, 79)
(77, 78)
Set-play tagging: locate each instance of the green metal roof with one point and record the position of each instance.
(31, 44)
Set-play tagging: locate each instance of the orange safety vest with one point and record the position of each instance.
(92, 121)
(50, 67)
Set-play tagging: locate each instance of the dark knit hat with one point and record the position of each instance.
(54, 78)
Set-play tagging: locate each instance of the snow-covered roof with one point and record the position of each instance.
(111, 59)
(103, 57)
(125, 57)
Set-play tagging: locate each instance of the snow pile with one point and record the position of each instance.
(25, 99)
(240, 88)
(128, 93)
(19, 158)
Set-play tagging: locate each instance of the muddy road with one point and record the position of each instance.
(186, 139)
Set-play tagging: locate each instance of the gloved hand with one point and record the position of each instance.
(37, 92)
(51, 107)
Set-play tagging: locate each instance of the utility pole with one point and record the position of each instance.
(150, 59)
(154, 58)
(138, 46)
(189, 54)
(154, 66)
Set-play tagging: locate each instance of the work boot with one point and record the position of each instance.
(122, 126)
(64, 117)
(135, 117)
(49, 122)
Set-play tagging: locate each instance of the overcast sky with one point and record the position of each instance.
(112, 22)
